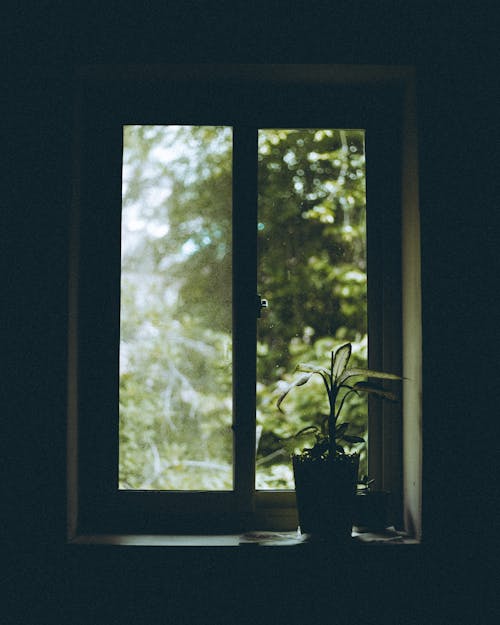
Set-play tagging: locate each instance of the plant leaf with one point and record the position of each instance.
(340, 429)
(309, 368)
(300, 381)
(309, 428)
(314, 369)
(366, 387)
(366, 480)
(353, 439)
(340, 360)
(368, 373)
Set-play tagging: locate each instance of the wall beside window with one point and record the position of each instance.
(45, 581)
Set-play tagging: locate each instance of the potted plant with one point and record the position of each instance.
(325, 475)
(371, 507)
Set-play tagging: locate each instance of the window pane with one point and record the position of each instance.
(312, 269)
(175, 326)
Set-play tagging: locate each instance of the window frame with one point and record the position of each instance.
(107, 99)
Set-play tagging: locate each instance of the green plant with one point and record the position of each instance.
(365, 483)
(338, 382)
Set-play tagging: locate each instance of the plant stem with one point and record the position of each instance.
(331, 424)
(332, 397)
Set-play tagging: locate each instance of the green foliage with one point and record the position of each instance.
(364, 484)
(312, 269)
(175, 352)
(175, 374)
(339, 385)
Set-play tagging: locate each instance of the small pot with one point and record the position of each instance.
(371, 510)
(325, 493)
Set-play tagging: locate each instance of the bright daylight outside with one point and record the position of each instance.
(176, 300)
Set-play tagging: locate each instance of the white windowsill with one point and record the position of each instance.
(262, 539)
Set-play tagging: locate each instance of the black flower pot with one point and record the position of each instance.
(371, 510)
(325, 492)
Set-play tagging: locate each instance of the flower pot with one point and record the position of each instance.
(371, 510)
(325, 492)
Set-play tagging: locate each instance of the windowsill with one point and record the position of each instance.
(259, 539)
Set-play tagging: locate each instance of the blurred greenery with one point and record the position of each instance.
(175, 351)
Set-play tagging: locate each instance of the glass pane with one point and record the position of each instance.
(175, 327)
(312, 269)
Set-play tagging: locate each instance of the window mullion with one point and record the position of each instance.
(244, 311)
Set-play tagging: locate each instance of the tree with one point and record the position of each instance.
(176, 382)
(312, 268)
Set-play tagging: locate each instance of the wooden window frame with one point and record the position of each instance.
(245, 97)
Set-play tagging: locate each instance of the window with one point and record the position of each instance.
(197, 189)
(176, 309)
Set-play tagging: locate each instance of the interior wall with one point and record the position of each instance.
(46, 580)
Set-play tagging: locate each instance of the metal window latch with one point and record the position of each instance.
(261, 303)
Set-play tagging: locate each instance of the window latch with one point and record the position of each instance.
(261, 303)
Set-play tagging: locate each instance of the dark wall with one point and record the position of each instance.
(449, 576)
